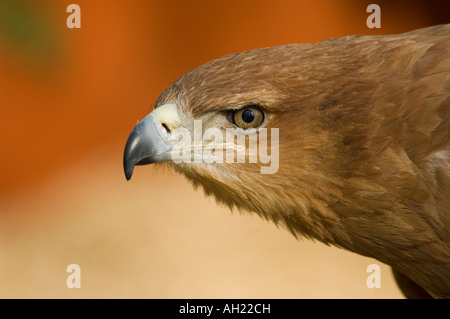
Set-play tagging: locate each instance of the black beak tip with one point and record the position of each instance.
(128, 158)
(128, 174)
(127, 168)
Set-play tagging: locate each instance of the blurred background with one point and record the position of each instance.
(68, 100)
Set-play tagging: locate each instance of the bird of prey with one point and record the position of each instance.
(362, 136)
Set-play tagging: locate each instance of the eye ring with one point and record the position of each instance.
(250, 116)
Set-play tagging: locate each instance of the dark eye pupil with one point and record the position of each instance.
(248, 116)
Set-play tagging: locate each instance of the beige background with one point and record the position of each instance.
(155, 237)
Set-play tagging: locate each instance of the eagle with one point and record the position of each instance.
(358, 131)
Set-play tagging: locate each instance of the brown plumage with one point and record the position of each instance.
(364, 127)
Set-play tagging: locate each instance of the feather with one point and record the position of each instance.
(364, 126)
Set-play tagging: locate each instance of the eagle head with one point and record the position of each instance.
(246, 128)
(345, 141)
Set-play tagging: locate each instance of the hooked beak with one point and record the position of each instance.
(151, 139)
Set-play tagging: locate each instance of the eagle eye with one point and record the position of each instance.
(248, 117)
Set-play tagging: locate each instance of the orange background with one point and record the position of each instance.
(70, 97)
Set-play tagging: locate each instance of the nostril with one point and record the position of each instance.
(166, 127)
